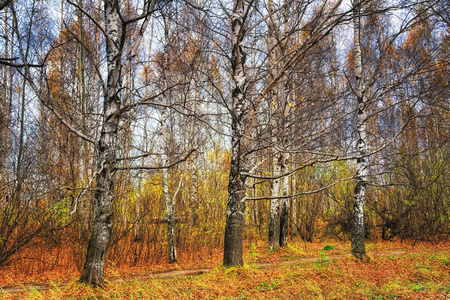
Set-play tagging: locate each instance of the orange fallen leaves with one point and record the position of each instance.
(302, 270)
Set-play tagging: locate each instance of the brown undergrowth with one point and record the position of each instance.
(321, 270)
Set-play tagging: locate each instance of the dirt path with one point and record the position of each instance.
(185, 273)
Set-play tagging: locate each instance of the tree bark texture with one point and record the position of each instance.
(284, 205)
(94, 265)
(279, 209)
(236, 185)
(194, 193)
(171, 229)
(165, 143)
(357, 231)
(274, 222)
(5, 110)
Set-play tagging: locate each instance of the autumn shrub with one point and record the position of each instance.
(419, 207)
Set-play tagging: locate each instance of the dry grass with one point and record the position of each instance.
(302, 271)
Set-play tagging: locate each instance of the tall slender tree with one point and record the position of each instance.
(358, 243)
(116, 34)
(239, 108)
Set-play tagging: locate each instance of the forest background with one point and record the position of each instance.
(133, 131)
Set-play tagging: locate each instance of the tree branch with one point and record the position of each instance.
(301, 193)
(159, 167)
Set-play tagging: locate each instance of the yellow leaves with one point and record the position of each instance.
(291, 105)
(273, 103)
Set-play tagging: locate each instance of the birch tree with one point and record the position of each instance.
(279, 211)
(323, 20)
(115, 32)
(165, 144)
(274, 222)
(239, 107)
(357, 231)
(5, 103)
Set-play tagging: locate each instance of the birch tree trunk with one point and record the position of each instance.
(171, 229)
(236, 186)
(116, 35)
(357, 231)
(274, 221)
(83, 92)
(94, 265)
(284, 186)
(284, 204)
(165, 144)
(193, 167)
(193, 216)
(4, 103)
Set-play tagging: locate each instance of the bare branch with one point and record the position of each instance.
(159, 167)
(301, 193)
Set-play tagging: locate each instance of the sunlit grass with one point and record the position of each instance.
(293, 273)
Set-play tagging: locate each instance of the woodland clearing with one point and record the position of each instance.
(320, 270)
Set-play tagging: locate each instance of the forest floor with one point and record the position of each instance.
(320, 270)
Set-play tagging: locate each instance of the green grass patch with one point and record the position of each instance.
(329, 247)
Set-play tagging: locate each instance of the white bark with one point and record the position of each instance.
(358, 244)
(165, 144)
(171, 229)
(284, 203)
(115, 34)
(236, 185)
(274, 222)
(102, 223)
(194, 193)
